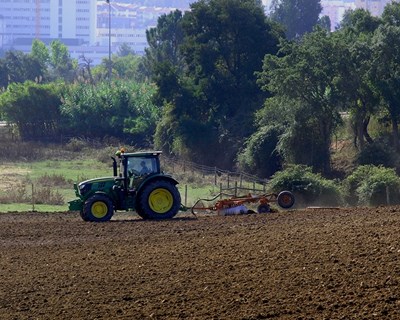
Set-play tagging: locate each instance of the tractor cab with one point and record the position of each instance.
(136, 167)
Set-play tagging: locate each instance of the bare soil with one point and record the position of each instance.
(303, 264)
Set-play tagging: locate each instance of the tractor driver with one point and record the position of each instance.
(144, 169)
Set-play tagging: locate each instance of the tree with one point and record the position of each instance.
(3, 74)
(307, 97)
(225, 42)
(40, 53)
(127, 66)
(164, 44)
(123, 110)
(325, 23)
(20, 67)
(125, 50)
(385, 73)
(63, 66)
(385, 69)
(298, 16)
(356, 31)
(34, 108)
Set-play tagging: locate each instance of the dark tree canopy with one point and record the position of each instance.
(297, 16)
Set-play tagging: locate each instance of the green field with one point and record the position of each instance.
(21, 178)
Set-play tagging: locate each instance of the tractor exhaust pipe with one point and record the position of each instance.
(115, 172)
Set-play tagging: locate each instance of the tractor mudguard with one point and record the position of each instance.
(157, 177)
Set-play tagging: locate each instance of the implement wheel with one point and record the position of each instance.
(263, 208)
(285, 199)
(98, 208)
(159, 200)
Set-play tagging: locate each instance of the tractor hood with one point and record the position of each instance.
(97, 184)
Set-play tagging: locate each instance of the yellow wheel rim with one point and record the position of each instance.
(99, 209)
(160, 200)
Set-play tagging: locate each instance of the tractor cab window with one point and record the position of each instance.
(141, 166)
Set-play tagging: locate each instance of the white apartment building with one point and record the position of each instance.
(71, 21)
(335, 10)
(374, 6)
(85, 26)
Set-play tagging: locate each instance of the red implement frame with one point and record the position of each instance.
(222, 204)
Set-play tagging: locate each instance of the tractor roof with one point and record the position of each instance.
(142, 153)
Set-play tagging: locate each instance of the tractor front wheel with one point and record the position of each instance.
(98, 208)
(159, 200)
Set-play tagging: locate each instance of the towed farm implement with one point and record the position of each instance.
(236, 204)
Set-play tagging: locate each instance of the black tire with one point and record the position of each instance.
(158, 200)
(83, 216)
(98, 208)
(263, 208)
(286, 199)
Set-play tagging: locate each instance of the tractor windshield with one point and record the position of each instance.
(138, 166)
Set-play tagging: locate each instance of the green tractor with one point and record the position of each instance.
(137, 184)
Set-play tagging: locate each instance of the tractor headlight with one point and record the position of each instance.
(84, 188)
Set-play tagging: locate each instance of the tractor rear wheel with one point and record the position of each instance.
(98, 208)
(159, 199)
(285, 199)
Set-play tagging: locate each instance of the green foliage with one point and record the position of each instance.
(309, 188)
(260, 155)
(181, 137)
(372, 185)
(377, 154)
(61, 62)
(40, 53)
(297, 16)
(310, 109)
(164, 44)
(385, 72)
(203, 64)
(127, 66)
(33, 108)
(123, 110)
(125, 50)
(19, 67)
(359, 21)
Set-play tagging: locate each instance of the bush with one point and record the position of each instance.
(309, 188)
(372, 185)
(377, 154)
(76, 145)
(260, 156)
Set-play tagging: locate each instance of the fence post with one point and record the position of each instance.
(186, 191)
(254, 186)
(220, 190)
(228, 180)
(215, 176)
(236, 187)
(387, 195)
(33, 198)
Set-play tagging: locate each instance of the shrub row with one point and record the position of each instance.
(367, 185)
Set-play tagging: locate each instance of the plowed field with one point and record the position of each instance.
(303, 264)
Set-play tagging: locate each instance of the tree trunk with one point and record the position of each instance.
(365, 130)
(395, 131)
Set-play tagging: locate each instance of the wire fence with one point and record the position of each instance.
(226, 181)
